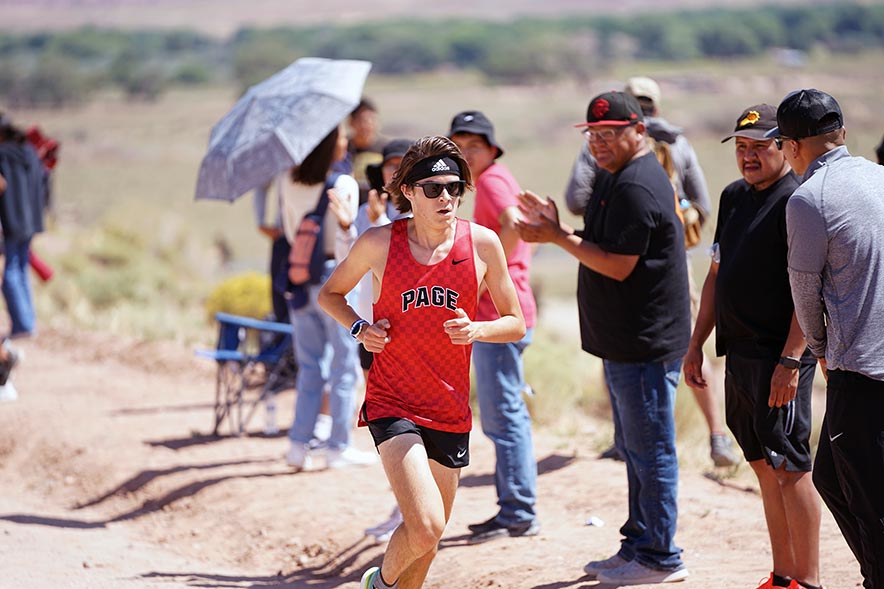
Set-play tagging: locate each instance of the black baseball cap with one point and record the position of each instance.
(394, 148)
(807, 113)
(474, 121)
(613, 108)
(755, 122)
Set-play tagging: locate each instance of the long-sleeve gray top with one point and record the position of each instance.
(835, 228)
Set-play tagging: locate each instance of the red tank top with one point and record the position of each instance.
(420, 375)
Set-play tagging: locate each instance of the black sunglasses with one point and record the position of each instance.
(434, 189)
(782, 139)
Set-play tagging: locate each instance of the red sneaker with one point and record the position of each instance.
(768, 584)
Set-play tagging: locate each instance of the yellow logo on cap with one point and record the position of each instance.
(750, 119)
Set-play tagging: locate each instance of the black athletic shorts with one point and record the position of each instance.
(447, 448)
(776, 434)
(365, 357)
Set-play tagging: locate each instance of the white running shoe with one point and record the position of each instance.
(8, 392)
(322, 428)
(298, 457)
(594, 567)
(635, 573)
(384, 530)
(349, 456)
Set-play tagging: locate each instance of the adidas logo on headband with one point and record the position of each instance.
(440, 166)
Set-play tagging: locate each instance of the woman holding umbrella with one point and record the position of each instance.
(326, 354)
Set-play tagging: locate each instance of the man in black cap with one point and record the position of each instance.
(836, 270)
(769, 376)
(632, 296)
(680, 161)
(498, 366)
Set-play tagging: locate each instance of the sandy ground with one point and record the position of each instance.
(109, 479)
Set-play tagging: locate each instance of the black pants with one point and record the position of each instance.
(279, 278)
(849, 467)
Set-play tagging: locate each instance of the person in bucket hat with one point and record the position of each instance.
(500, 383)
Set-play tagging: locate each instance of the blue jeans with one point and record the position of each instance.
(327, 355)
(505, 420)
(17, 287)
(642, 399)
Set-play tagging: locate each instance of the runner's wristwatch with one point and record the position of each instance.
(790, 362)
(356, 328)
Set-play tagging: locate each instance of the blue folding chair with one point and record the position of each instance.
(255, 361)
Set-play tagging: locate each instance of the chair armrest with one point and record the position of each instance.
(250, 323)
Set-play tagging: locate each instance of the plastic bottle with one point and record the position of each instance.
(270, 428)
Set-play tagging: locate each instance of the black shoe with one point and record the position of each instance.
(612, 453)
(491, 529)
(7, 365)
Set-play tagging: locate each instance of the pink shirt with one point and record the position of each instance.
(496, 190)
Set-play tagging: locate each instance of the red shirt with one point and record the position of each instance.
(496, 190)
(420, 375)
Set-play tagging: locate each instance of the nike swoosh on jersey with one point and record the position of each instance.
(456, 262)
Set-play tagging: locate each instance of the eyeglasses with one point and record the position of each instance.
(603, 135)
(434, 189)
(779, 141)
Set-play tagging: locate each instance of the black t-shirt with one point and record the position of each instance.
(646, 317)
(753, 299)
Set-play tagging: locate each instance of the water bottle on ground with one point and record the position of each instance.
(270, 428)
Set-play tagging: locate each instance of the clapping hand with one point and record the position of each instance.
(540, 223)
(377, 205)
(340, 209)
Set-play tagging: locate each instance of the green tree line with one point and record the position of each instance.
(63, 67)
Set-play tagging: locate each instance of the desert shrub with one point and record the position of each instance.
(256, 60)
(192, 73)
(245, 294)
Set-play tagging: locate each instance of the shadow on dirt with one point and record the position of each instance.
(551, 463)
(326, 575)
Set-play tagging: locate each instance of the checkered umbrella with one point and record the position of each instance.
(277, 123)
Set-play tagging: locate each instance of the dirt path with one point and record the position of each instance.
(107, 479)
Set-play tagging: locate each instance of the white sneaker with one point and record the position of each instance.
(384, 530)
(8, 392)
(635, 573)
(323, 427)
(298, 457)
(350, 456)
(594, 567)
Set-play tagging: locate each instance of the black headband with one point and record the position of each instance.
(433, 166)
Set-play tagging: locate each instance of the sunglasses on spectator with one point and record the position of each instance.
(781, 139)
(434, 189)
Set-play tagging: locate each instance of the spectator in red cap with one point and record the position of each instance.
(680, 161)
(632, 296)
